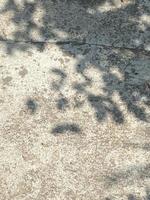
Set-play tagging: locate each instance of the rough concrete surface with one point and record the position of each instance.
(75, 100)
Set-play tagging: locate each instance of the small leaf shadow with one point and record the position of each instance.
(66, 127)
(31, 105)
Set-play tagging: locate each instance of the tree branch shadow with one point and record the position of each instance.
(119, 48)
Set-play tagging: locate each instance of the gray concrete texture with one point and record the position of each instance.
(75, 100)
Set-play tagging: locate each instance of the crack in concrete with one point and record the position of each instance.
(75, 42)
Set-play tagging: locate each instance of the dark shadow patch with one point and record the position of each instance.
(145, 146)
(58, 84)
(139, 172)
(31, 105)
(147, 194)
(66, 127)
(131, 197)
(104, 105)
(59, 72)
(7, 80)
(62, 104)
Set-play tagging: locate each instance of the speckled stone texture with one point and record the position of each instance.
(75, 100)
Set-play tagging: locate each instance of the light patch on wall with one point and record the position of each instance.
(137, 42)
(144, 22)
(36, 35)
(38, 15)
(60, 34)
(95, 76)
(147, 47)
(145, 19)
(117, 73)
(107, 6)
(114, 5)
(91, 11)
(30, 1)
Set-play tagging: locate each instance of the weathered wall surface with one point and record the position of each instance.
(74, 100)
